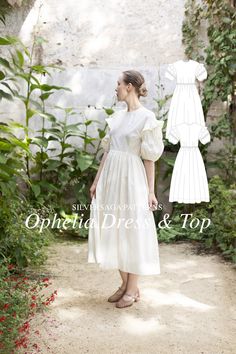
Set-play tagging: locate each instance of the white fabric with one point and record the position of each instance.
(189, 181)
(185, 106)
(122, 192)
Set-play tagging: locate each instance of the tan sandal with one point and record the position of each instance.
(128, 300)
(117, 295)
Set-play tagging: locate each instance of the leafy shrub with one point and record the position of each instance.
(221, 210)
(21, 245)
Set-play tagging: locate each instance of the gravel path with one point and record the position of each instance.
(189, 308)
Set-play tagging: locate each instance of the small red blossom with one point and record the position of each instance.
(21, 342)
(32, 305)
(45, 279)
(25, 327)
(5, 307)
(2, 319)
(33, 297)
(10, 266)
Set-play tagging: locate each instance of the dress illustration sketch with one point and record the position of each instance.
(185, 106)
(122, 232)
(189, 180)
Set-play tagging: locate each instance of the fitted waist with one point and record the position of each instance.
(189, 146)
(186, 83)
(117, 151)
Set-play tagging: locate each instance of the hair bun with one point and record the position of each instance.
(143, 90)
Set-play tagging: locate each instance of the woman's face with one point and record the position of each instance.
(122, 89)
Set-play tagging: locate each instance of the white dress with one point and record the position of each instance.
(122, 230)
(185, 106)
(189, 180)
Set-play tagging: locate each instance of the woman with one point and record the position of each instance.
(124, 234)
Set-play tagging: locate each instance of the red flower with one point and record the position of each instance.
(6, 306)
(25, 327)
(45, 279)
(21, 342)
(1, 332)
(2, 319)
(10, 266)
(33, 297)
(32, 305)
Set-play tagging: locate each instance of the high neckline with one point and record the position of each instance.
(186, 61)
(134, 110)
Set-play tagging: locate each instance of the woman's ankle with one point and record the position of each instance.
(132, 291)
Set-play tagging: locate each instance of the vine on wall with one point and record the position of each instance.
(218, 18)
(219, 52)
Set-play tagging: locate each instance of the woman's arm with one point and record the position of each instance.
(94, 185)
(150, 172)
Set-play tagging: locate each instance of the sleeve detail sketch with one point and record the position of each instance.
(201, 73)
(152, 145)
(173, 136)
(204, 136)
(170, 72)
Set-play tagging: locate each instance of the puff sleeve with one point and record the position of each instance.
(173, 136)
(106, 140)
(201, 73)
(171, 72)
(152, 145)
(204, 135)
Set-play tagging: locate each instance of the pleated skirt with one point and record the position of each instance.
(122, 230)
(189, 180)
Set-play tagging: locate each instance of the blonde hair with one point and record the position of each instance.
(137, 80)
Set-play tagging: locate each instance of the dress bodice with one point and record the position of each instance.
(186, 73)
(137, 132)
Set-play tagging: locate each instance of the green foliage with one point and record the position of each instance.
(21, 245)
(64, 168)
(12, 166)
(221, 234)
(18, 68)
(50, 172)
(190, 29)
(220, 52)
